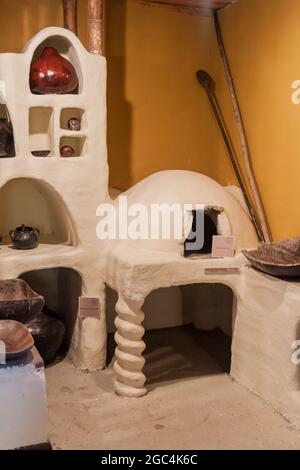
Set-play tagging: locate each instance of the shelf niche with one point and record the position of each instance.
(7, 144)
(40, 131)
(66, 49)
(68, 113)
(35, 203)
(77, 143)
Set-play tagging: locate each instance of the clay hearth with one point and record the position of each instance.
(61, 195)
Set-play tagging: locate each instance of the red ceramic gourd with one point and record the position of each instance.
(52, 73)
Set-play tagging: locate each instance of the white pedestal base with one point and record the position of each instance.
(23, 403)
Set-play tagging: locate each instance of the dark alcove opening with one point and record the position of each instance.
(61, 288)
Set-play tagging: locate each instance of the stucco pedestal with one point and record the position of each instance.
(265, 321)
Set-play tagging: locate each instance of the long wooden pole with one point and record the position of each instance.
(242, 133)
(209, 85)
(70, 15)
(96, 26)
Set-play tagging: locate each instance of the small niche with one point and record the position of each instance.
(40, 131)
(78, 144)
(65, 49)
(7, 144)
(71, 113)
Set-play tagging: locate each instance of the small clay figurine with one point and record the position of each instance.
(74, 124)
(67, 151)
(52, 73)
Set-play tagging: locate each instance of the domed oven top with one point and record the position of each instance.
(190, 189)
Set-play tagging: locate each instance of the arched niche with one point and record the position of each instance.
(35, 203)
(65, 48)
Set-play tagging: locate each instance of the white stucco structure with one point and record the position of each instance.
(60, 196)
(57, 195)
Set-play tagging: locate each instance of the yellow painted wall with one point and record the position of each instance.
(21, 19)
(158, 116)
(262, 38)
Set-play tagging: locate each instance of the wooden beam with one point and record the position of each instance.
(210, 4)
(70, 15)
(96, 26)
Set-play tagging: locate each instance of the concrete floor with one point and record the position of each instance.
(192, 404)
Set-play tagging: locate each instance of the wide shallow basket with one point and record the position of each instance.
(277, 259)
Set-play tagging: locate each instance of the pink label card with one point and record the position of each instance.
(89, 307)
(223, 246)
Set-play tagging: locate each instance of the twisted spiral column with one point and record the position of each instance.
(130, 346)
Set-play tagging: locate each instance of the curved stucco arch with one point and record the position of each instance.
(34, 202)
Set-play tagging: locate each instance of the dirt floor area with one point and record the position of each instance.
(192, 402)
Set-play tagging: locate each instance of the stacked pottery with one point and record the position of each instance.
(18, 301)
(20, 304)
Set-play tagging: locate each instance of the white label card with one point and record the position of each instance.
(223, 246)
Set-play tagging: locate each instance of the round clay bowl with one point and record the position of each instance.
(17, 338)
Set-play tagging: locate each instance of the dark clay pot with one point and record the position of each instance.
(67, 151)
(24, 238)
(18, 301)
(48, 334)
(52, 73)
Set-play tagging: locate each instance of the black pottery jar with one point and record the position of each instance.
(24, 238)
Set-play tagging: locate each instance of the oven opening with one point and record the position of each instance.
(209, 225)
